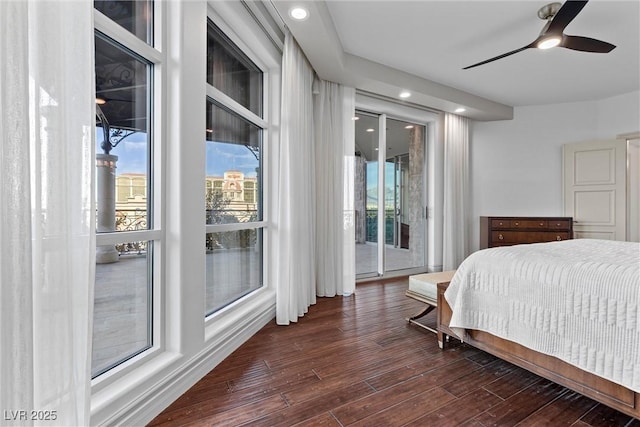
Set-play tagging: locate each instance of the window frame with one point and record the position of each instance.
(155, 234)
(223, 100)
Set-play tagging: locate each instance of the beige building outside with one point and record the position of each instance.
(230, 198)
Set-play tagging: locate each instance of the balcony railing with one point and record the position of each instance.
(372, 225)
(230, 215)
(234, 239)
(131, 220)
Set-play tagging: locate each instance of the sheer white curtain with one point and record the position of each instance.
(47, 242)
(295, 230)
(456, 190)
(334, 108)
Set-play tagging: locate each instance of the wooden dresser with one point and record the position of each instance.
(510, 230)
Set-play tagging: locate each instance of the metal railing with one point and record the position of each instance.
(131, 220)
(372, 225)
(231, 239)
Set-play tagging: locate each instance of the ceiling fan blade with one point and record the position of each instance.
(586, 44)
(499, 57)
(565, 15)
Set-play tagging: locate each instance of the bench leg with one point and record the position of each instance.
(428, 309)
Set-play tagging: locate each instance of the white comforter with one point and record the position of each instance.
(577, 300)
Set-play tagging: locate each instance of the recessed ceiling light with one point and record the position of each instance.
(101, 101)
(408, 127)
(405, 94)
(370, 130)
(376, 149)
(209, 130)
(460, 110)
(355, 118)
(299, 13)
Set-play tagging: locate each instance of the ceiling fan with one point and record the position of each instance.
(558, 16)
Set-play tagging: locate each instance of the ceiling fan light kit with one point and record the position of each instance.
(549, 42)
(558, 16)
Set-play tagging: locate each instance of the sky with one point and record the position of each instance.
(372, 184)
(220, 157)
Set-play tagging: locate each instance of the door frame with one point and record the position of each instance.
(425, 117)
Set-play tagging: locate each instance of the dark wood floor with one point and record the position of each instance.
(355, 361)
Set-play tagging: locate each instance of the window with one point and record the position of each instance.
(125, 186)
(195, 254)
(230, 71)
(136, 16)
(233, 139)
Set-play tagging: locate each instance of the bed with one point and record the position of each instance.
(567, 311)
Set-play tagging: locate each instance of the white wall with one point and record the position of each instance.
(516, 165)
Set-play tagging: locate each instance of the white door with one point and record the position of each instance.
(595, 188)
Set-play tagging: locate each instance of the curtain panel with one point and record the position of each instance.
(47, 216)
(315, 234)
(295, 222)
(456, 190)
(335, 228)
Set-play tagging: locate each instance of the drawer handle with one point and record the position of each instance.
(500, 223)
(558, 225)
(501, 237)
(517, 224)
(542, 224)
(558, 238)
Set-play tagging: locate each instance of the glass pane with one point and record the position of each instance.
(404, 212)
(366, 194)
(232, 72)
(135, 16)
(122, 307)
(233, 159)
(122, 138)
(234, 266)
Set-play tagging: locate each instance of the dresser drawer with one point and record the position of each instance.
(559, 225)
(500, 223)
(555, 236)
(528, 223)
(504, 238)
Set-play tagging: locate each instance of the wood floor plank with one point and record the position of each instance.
(603, 416)
(408, 410)
(459, 411)
(510, 384)
(356, 361)
(322, 420)
(479, 378)
(522, 404)
(442, 369)
(314, 407)
(563, 411)
(395, 394)
(241, 414)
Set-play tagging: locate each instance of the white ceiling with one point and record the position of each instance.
(423, 46)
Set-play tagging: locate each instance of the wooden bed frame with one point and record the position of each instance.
(549, 367)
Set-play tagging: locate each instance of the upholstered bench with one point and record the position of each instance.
(424, 288)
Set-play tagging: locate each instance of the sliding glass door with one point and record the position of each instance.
(389, 195)
(366, 194)
(405, 156)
